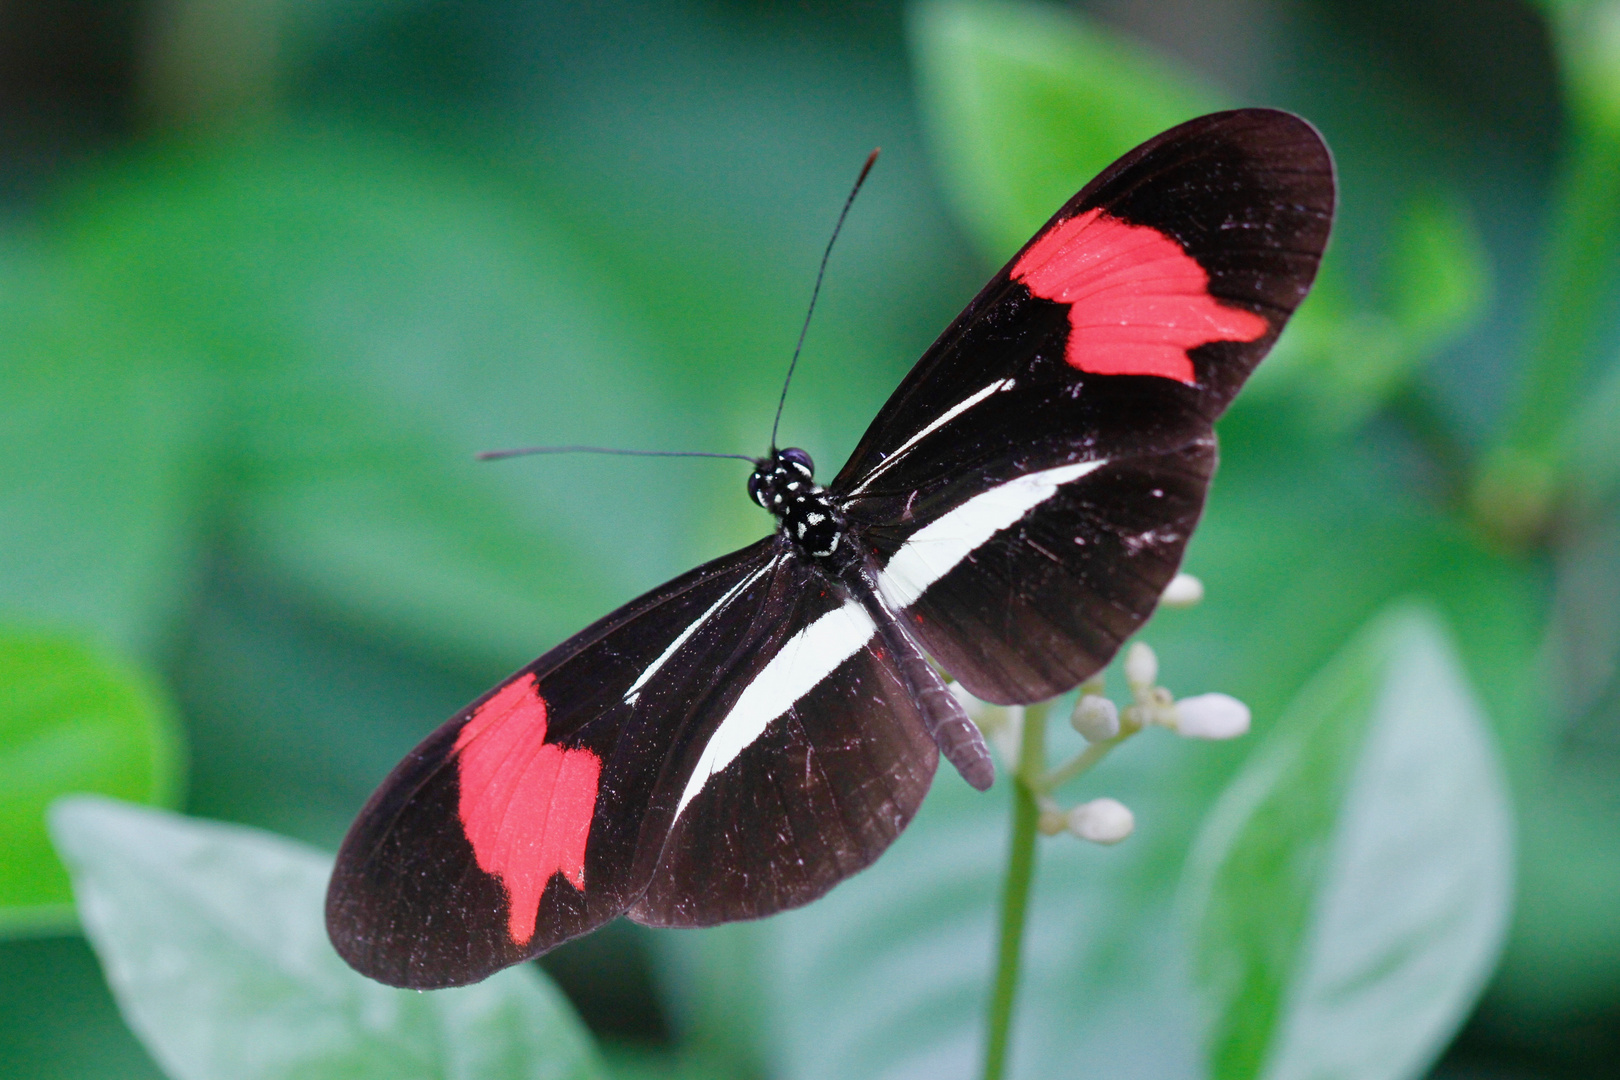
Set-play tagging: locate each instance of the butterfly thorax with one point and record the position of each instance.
(784, 483)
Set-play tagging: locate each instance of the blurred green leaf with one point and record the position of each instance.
(97, 477)
(373, 314)
(1438, 276)
(71, 719)
(213, 939)
(1026, 102)
(1522, 479)
(1335, 362)
(1341, 361)
(1350, 891)
(1589, 444)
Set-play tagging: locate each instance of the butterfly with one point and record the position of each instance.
(739, 740)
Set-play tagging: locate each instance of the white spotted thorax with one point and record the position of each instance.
(784, 484)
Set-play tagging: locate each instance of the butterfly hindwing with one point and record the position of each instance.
(1024, 611)
(731, 744)
(515, 826)
(811, 772)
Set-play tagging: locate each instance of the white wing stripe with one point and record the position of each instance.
(935, 549)
(652, 669)
(815, 652)
(950, 414)
(804, 660)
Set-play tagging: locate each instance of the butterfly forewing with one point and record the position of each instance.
(1176, 268)
(1098, 358)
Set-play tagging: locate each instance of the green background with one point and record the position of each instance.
(271, 272)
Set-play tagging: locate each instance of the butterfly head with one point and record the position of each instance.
(782, 476)
(784, 483)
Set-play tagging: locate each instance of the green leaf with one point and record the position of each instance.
(1339, 361)
(370, 314)
(96, 475)
(1516, 490)
(213, 940)
(1335, 362)
(1589, 444)
(1025, 103)
(71, 719)
(1351, 890)
(1438, 278)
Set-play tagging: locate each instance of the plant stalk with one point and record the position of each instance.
(1015, 889)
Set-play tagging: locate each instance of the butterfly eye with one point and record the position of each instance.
(793, 455)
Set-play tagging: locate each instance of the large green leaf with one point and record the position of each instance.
(1439, 276)
(1589, 444)
(370, 315)
(1350, 891)
(71, 719)
(213, 939)
(1027, 102)
(97, 474)
(1342, 361)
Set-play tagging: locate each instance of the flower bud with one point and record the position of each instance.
(1008, 738)
(1141, 666)
(1095, 718)
(1211, 716)
(1102, 821)
(1051, 821)
(1184, 590)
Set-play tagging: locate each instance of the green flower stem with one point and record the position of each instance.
(1085, 760)
(1015, 888)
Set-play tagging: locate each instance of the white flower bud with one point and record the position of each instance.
(1008, 739)
(1141, 666)
(1095, 718)
(1211, 716)
(1184, 590)
(1102, 821)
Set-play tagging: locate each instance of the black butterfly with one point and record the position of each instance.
(738, 741)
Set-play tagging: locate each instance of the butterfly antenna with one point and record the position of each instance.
(871, 159)
(493, 455)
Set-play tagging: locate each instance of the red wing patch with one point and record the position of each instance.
(526, 805)
(1138, 301)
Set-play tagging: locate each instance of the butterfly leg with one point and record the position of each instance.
(957, 737)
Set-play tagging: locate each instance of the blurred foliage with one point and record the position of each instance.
(271, 273)
(1356, 876)
(246, 912)
(73, 721)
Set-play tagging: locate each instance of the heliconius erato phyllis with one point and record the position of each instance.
(741, 739)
